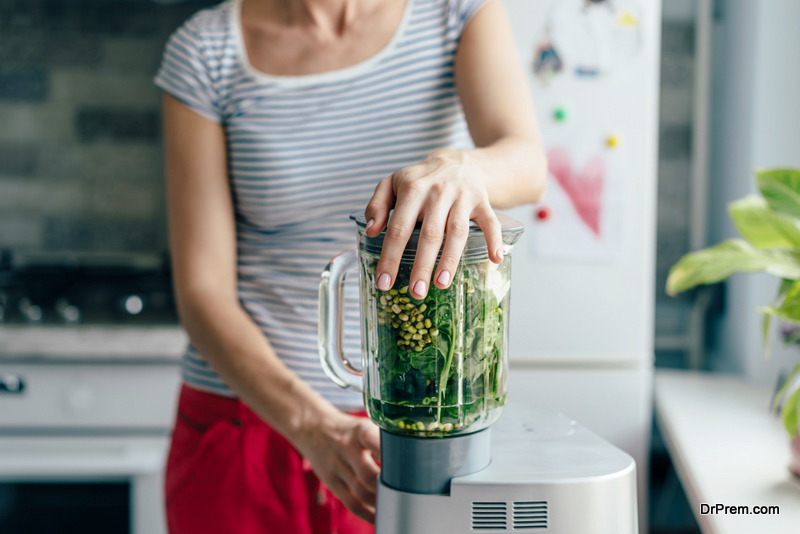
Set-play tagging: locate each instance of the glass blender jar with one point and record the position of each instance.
(434, 367)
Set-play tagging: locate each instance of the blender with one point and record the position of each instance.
(434, 376)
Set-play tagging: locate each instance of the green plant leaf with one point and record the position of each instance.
(711, 265)
(766, 321)
(785, 387)
(789, 309)
(781, 189)
(784, 288)
(791, 413)
(426, 361)
(763, 227)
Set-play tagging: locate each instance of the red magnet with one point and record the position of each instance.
(543, 213)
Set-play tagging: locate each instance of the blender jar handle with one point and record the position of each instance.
(331, 321)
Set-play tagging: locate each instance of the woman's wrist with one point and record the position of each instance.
(464, 159)
(314, 418)
(512, 171)
(453, 155)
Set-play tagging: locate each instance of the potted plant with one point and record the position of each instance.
(770, 226)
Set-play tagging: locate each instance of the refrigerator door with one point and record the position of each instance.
(583, 271)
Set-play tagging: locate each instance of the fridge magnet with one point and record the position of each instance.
(546, 62)
(542, 213)
(583, 71)
(627, 18)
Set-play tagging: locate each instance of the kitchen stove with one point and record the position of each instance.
(90, 347)
(70, 295)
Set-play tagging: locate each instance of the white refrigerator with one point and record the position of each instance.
(583, 273)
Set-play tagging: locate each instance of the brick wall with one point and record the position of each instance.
(80, 147)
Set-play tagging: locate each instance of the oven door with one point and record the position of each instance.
(44, 474)
(71, 426)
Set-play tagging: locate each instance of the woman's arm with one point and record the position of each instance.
(341, 448)
(451, 187)
(499, 110)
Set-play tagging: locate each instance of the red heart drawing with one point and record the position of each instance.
(584, 189)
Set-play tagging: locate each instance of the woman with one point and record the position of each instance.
(281, 117)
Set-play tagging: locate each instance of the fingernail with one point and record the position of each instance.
(370, 223)
(383, 282)
(499, 253)
(443, 278)
(420, 287)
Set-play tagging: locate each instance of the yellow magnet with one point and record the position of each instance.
(613, 141)
(627, 19)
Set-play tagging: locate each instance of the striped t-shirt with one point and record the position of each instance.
(306, 151)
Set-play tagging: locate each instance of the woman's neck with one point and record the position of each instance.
(297, 37)
(329, 17)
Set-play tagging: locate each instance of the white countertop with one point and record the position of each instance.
(93, 343)
(728, 449)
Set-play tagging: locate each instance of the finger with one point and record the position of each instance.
(366, 470)
(369, 437)
(486, 218)
(345, 468)
(343, 493)
(430, 242)
(456, 238)
(377, 211)
(365, 495)
(398, 230)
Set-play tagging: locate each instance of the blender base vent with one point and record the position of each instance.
(529, 515)
(489, 516)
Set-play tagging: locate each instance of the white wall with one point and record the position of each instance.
(756, 124)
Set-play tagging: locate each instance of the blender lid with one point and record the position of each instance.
(474, 249)
(507, 223)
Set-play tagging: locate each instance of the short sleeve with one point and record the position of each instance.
(185, 74)
(464, 10)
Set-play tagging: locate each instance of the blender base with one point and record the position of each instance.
(547, 474)
(429, 464)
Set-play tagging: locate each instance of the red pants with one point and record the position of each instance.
(228, 472)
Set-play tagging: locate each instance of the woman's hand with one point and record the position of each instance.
(344, 451)
(445, 191)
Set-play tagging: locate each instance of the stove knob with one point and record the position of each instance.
(31, 312)
(10, 383)
(69, 313)
(133, 304)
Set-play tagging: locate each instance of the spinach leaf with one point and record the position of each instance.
(441, 357)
